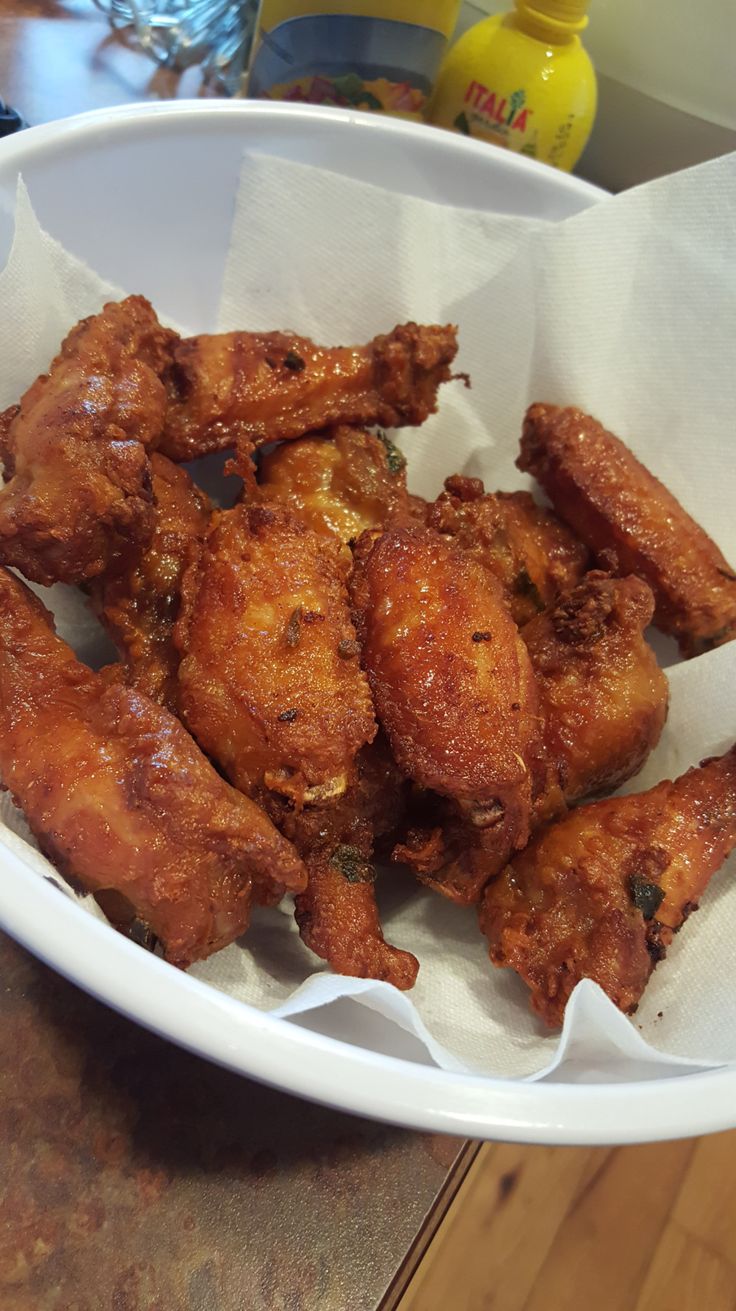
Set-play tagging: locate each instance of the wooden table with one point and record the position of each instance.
(133, 1176)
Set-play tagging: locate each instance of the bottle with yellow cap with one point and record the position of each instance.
(522, 80)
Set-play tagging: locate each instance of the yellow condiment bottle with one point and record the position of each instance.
(522, 80)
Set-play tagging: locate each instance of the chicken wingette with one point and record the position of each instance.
(246, 388)
(271, 686)
(633, 523)
(123, 801)
(601, 893)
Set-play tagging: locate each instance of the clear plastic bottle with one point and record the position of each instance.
(379, 55)
(522, 80)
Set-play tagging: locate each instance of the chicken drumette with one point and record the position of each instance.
(603, 697)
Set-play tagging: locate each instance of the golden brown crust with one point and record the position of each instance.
(337, 914)
(616, 506)
(271, 684)
(7, 463)
(338, 920)
(602, 694)
(270, 680)
(340, 483)
(603, 703)
(80, 491)
(533, 555)
(138, 597)
(244, 389)
(122, 800)
(600, 894)
(451, 678)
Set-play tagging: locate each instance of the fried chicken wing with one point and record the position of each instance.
(271, 684)
(121, 799)
(270, 680)
(138, 597)
(337, 913)
(602, 704)
(533, 555)
(451, 678)
(245, 388)
(602, 694)
(616, 506)
(601, 893)
(339, 484)
(80, 487)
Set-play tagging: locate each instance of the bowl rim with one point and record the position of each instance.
(117, 118)
(274, 1051)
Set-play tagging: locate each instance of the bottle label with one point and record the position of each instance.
(350, 90)
(506, 120)
(509, 120)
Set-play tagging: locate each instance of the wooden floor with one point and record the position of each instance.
(578, 1229)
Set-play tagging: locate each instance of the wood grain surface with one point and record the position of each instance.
(558, 1229)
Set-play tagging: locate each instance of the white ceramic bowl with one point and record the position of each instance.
(152, 187)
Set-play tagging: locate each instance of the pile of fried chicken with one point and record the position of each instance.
(335, 673)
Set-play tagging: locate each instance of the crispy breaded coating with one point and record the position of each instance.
(122, 800)
(337, 913)
(419, 508)
(451, 678)
(6, 453)
(601, 893)
(271, 685)
(533, 555)
(446, 852)
(138, 597)
(603, 697)
(619, 508)
(270, 680)
(340, 483)
(602, 705)
(247, 388)
(80, 488)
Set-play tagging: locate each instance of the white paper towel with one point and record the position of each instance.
(626, 310)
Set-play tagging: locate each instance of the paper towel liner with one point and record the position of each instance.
(626, 310)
